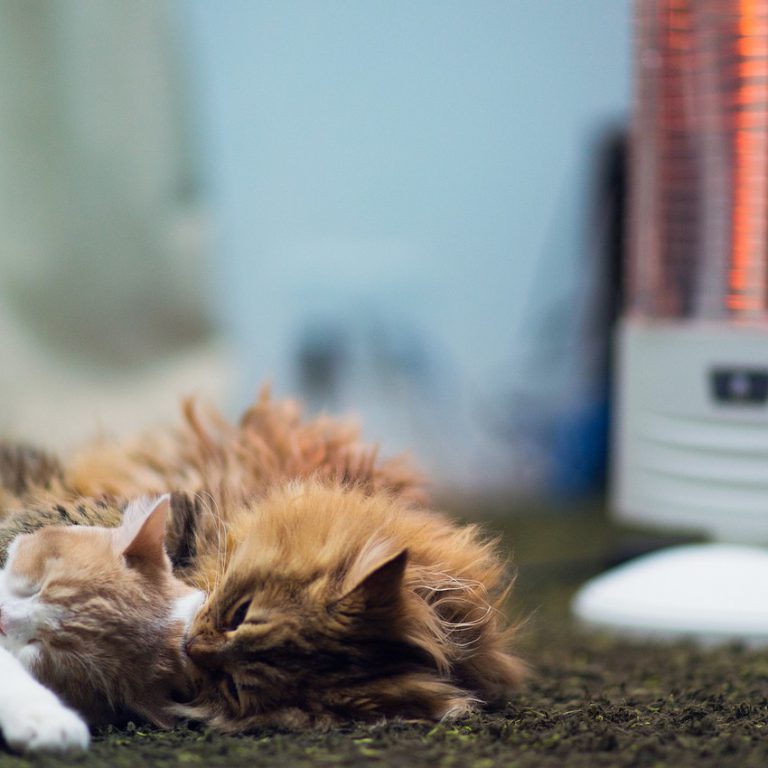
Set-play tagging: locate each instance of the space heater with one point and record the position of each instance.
(690, 445)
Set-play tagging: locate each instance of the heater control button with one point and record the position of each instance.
(740, 385)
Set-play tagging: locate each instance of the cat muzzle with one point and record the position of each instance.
(202, 653)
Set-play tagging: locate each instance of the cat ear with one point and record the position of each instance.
(142, 533)
(378, 586)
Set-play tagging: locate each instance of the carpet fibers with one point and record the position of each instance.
(591, 701)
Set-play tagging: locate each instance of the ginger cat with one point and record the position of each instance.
(96, 616)
(334, 594)
(331, 605)
(327, 604)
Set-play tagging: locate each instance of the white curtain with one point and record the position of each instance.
(101, 230)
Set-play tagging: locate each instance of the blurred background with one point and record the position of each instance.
(405, 211)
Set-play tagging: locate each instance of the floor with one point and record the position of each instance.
(592, 700)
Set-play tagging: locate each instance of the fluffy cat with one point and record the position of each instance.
(328, 604)
(331, 605)
(334, 593)
(95, 615)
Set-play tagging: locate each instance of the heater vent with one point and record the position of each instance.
(723, 437)
(686, 459)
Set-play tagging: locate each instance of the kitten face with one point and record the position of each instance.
(95, 604)
(22, 616)
(40, 591)
(334, 606)
(301, 645)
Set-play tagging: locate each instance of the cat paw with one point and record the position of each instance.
(45, 725)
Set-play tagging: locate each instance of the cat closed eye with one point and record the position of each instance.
(238, 617)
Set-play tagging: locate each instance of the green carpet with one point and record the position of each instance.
(592, 701)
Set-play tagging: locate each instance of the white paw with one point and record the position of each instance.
(42, 723)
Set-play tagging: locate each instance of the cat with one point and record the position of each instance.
(95, 615)
(397, 613)
(330, 605)
(270, 444)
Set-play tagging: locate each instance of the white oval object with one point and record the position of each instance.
(707, 592)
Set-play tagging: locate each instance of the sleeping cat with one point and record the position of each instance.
(95, 615)
(332, 599)
(332, 605)
(328, 605)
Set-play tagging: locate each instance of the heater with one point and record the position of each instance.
(690, 444)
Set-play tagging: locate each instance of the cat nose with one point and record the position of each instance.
(201, 653)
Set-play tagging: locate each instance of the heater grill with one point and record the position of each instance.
(699, 205)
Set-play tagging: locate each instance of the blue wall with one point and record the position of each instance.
(395, 176)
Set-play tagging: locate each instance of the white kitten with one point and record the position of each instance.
(60, 588)
(31, 717)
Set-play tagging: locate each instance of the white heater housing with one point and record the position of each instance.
(691, 438)
(691, 433)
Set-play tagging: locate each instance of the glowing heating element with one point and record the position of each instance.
(747, 295)
(699, 242)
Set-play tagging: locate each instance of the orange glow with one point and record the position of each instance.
(751, 69)
(747, 281)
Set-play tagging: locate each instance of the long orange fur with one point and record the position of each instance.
(295, 517)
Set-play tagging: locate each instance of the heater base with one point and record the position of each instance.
(710, 593)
